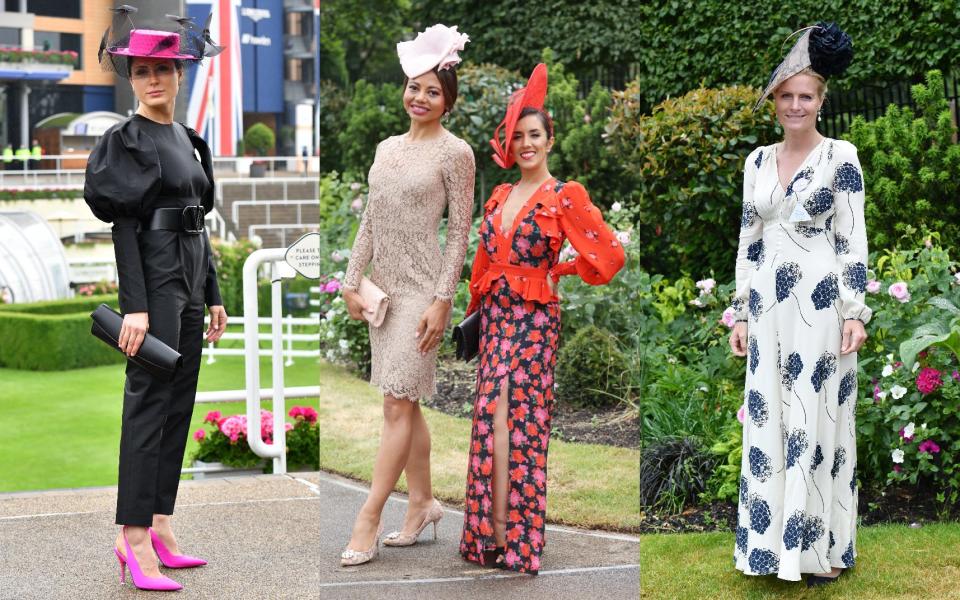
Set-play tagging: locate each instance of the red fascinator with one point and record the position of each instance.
(533, 96)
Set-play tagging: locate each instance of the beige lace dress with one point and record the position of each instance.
(411, 183)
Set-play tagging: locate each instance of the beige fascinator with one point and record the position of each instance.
(435, 47)
(824, 47)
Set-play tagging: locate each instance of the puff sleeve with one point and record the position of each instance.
(850, 232)
(458, 177)
(123, 174)
(751, 230)
(600, 255)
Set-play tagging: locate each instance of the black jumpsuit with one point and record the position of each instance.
(138, 166)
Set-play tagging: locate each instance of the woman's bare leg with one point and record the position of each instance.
(417, 469)
(395, 442)
(501, 466)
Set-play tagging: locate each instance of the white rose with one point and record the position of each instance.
(897, 455)
(890, 357)
(898, 391)
(923, 426)
(887, 371)
(909, 429)
(616, 207)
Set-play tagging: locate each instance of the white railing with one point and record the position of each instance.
(284, 182)
(287, 339)
(43, 178)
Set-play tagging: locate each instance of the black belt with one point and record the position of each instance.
(188, 219)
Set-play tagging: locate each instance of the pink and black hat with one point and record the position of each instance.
(122, 42)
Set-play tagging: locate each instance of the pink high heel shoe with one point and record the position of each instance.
(170, 560)
(162, 583)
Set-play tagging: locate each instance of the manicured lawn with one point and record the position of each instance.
(62, 429)
(588, 485)
(893, 561)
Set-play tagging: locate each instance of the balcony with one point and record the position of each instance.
(36, 65)
(298, 46)
(298, 91)
(298, 5)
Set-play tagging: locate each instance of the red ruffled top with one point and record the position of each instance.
(566, 214)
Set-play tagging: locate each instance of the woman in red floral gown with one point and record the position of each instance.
(513, 285)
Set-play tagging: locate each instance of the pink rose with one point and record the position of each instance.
(199, 434)
(357, 204)
(706, 285)
(873, 286)
(907, 438)
(728, 318)
(928, 380)
(740, 415)
(332, 286)
(213, 417)
(899, 291)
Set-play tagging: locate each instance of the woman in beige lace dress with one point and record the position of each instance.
(414, 177)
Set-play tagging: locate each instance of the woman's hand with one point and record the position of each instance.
(431, 326)
(738, 338)
(355, 305)
(854, 335)
(132, 332)
(218, 323)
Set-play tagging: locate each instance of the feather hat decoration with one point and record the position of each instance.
(533, 95)
(824, 47)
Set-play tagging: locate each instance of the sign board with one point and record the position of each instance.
(304, 255)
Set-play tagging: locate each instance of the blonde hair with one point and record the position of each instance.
(821, 82)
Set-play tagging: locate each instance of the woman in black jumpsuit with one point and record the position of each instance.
(152, 179)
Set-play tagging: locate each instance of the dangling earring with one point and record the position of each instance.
(819, 114)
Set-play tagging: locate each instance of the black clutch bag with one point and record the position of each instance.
(466, 336)
(155, 357)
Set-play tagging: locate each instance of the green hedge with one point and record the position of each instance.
(53, 336)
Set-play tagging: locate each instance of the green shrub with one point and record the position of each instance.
(910, 166)
(228, 257)
(685, 161)
(343, 340)
(590, 369)
(673, 473)
(374, 113)
(259, 139)
(333, 101)
(53, 336)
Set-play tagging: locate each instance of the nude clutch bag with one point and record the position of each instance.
(377, 301)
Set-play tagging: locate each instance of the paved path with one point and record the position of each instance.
(576, 563)
(258, 532)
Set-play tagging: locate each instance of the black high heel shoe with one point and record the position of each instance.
(818, 580)
(494, 559)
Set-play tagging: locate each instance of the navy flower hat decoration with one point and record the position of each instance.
(823, 47)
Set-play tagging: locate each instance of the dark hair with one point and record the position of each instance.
(178, 65)
(448, 85)
(544, 118)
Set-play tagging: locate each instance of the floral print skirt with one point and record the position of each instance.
(518, 345)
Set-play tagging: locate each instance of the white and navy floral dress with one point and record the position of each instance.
(801, 271)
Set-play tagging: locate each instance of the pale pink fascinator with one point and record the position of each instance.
(435, 47)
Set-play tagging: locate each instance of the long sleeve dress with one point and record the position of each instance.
(411, 183)
(801, 272)
(519, 333)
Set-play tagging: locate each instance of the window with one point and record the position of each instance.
(54, 40)
(69, 9)
(9, 37)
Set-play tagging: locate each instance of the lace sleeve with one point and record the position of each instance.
(458, 177)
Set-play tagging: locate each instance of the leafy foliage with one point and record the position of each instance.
(590, 368)
(259, 139)
(685, 164)
(673, 472)
(374, 113)
(910, 165)
(358, 39)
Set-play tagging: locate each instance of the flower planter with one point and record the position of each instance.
(217, 470)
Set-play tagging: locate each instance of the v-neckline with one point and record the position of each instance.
(803, 163)
(520, 213)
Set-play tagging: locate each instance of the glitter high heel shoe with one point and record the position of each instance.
(398, 538)
(349, 558)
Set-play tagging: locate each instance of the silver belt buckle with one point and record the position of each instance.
(192, 219)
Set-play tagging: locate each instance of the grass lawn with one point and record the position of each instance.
(588, 485)
(893, 561)
(61, 429)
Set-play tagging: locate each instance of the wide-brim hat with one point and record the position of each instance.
(152, 43)
(823, 47)
(532, 95)
(122, 42)
(437, 46)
